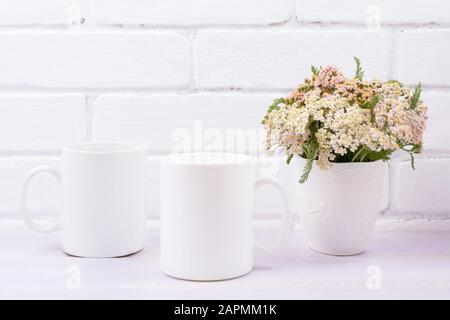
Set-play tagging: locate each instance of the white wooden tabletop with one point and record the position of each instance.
(404, 260)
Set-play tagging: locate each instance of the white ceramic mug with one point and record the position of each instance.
(206, 215)
(104, 199)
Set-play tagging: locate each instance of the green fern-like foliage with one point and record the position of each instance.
(359, 74)
(415, 98)
(310, 151)
(315, 71)
(289, 158)
(370, 104)
(273, 106)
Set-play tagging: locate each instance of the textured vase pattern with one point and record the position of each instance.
(339, 207)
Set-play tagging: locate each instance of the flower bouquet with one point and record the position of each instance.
(332, 119)
(348, 128)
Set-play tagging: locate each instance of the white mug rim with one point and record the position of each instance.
(182, 159)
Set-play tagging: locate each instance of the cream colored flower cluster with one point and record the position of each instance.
(331, 118)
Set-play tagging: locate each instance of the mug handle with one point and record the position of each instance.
(26, 216)
(285, 211)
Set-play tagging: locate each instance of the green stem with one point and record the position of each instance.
(365, 155)
(357, 154)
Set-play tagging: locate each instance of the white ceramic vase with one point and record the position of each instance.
(339, 207)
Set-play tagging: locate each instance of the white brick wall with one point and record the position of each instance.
(20, 13)
(158, 120)
(423, 191)
(437, 135)
(424, 55)
(43, 191)
(65, 59)
(41, 122)
(78, 70)
(192, 12)
(276, 59)
(412, 12)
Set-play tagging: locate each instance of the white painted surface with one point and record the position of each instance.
(255, 59)
(423, 56)
(410, 189)
(38, 12)
(437, 133)
(192, 12)
(65, 59)
(41, 122)
(384, 11)
(167, 122)
(44, 192)
(411, 260)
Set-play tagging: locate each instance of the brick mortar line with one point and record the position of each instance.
(414, 216)
(289, 24)
(180, 91)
